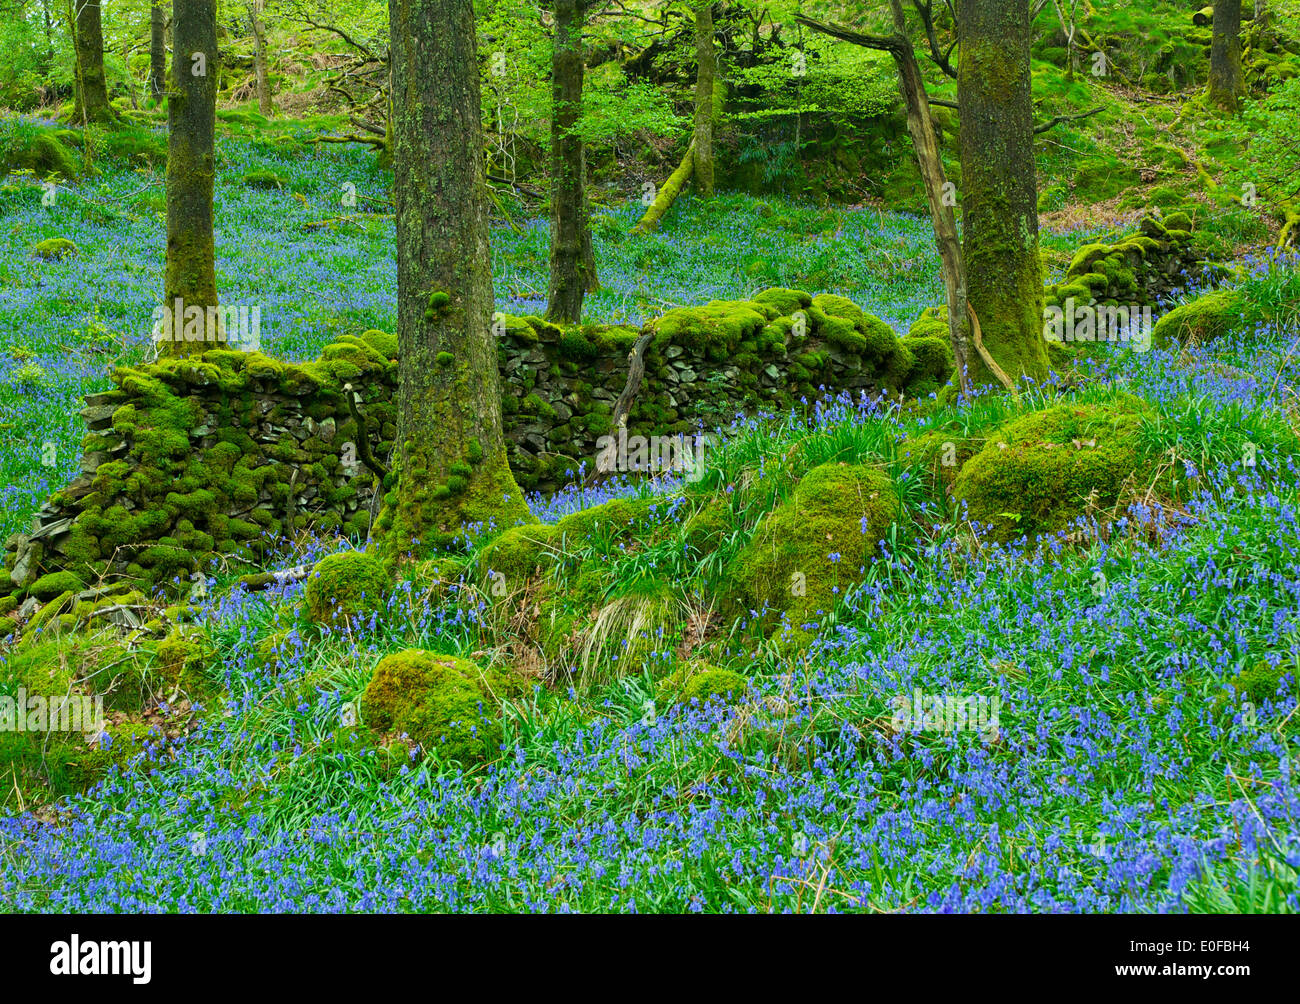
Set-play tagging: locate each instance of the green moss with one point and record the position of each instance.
(55, 249)
(786, 301)
(382, 342)
(713, 684)
(40, 152)
(932, 363)
(49, 586)
(517, 554)
(1258, 683)
(1040, 472)
(263, 179)
(445, 359)
(1200, 320)
(933, 323)
(345, 588)
(811, 548)
(614, 519)
(443, 703)
(718, 327)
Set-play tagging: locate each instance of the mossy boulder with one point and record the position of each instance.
(1038, 473)
(49, 586)
(933, 323)
(345, 588)
(263, 179)
(1200, 320)
(55, 249)
(813, 547)
(713, 684)
(517, 554)
(441, 702)
(38, 151)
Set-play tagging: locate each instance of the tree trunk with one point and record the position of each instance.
(706, 69)
(451, 468)
(264, 103)
(999, 192)
(570, 234)
(157, 50)
(1226, 82)
(89, 41)
(668, 194)
(191, 123)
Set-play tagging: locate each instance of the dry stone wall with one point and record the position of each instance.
(224, 456)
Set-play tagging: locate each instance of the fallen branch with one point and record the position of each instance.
(989, 361)
(264, 580)
(1051, 123)
(668, 194)
(363, 435)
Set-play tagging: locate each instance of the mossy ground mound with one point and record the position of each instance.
(38, 151)
(1039, 473)
(444, 703)
(1203, 319)
(345, 589)
(810, 549)
(59, 748)
(55, 249)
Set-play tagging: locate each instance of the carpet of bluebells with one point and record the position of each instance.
(1115, 781)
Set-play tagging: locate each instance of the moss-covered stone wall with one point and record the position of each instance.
(228, 455)
(1138, 270)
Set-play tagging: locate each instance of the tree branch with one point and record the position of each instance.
(1057, 120)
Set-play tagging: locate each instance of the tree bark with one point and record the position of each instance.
(450, 459)
(264, 103)
(88, 38)
(191, 124)
(571, 255)
(706, 70)
(1226, 81)
(999, 192)
(157, 50)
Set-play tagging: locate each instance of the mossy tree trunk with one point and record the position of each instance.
(451, 467)
(1226, 81)
(572, 261)
(667, 195)
(88, 38)
(698, 160)
(265, 104)
(191, 124)
(999, 195)
(705, 72)
(157, 50)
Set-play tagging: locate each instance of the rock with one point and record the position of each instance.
(28, 558)
(53, 528)
(91, 462)
(98, 416)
